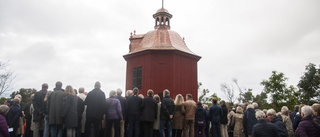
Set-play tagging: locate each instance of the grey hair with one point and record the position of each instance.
(285, 110)
(112, 93)
(255, 105)
(16, 101)
(129, 92)
(166, 92)
(97, 85)
(250, 106)
(4, 109)
(271, 112)
(260, 115)
(135, 90)
(119, 91)
(81, 90)
(307, 111)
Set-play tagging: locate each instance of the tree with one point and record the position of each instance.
(247, 97)
(261, 99)
(6, 77)
(25, 94)
(310, 84)
(203, 98)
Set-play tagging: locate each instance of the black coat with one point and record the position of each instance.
(167, 108)
(134, 105)
(69, 112)
(96, 104)
(249, 120)
(224, 117)
(28, 115)
(149, 109)
(123, 103)
(80, 108)
(264, 129)
(13, 116)
(37, 104)
(281, 127)
(201, 116)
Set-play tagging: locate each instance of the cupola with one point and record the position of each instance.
(162, 18)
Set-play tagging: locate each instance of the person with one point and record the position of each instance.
(230, 127)
(123, 110)
(166, 115)
(82, 119)
(113, 114)
(28, 117)
(316, 112)
(249, 120)
(13, 116)
(177, 120)
(206, 130)
(38, 112)
(215, 113)
(277, 121)
(46, 113)
(69, 111)
(149, 113)
(55, 104)
(156, 124)
(287, 121)
(263, 128)
(4, 131)
(200, 120)
(294, 113)
(297, 119)
(237, 122)
(255, 106)
(244, 105)
(190, 107)
(128, 94)
(133, 110)
(224, 119)
(307, 127)
(8, 103)
(96, 103)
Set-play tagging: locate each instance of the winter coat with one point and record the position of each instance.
(13, 116)
(123, 103)
(156, 124)
(84, 113)
(281, 127)
(287, 121)
(69, 111)
(167, 108)
(317, 119)
(224, 117)
(292, 115)
(200, 118)
(296, 121)
(149, 109)
(37, 102)
(308, 128)
(190, 107)
(249, 120)
(55, 100)
(28, 115)
(114, 109)
(177, 121)
(215, 113)
(96, 104)
(237, 121)
(134, 105)
(264, 129)
(35, 126)
(80, 108)
(3, 127)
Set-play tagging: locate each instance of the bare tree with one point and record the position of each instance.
(228, 90)
(6, 77)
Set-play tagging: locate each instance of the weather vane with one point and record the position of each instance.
(162, 3)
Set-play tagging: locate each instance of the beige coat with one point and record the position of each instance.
(237, 123)
(190, 107)
(177, 121)
(287, 121)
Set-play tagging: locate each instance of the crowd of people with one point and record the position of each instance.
(71, 113)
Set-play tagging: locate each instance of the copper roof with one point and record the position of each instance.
(162, 10)
(161, 39)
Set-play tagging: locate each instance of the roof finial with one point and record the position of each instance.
(162, 3)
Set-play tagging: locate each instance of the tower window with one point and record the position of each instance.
(137, 76)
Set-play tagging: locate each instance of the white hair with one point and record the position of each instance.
(307, 111)
(271, 112)
(112, 93)
(166, 92)
(119, 91)
(255, 105)
(260, 115)
(250, 106)
(285, 110)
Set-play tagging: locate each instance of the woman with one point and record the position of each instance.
(177, 121)
(13, 117)
(46, 117)
(316, 112)
(307, 127)
(156, 124)
(69, 111)
(200, 120)
(113, 114)
(237, 123)
(3, 122)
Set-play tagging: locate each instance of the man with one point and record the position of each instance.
(277, 121)
(190, 108)
(81, 112)
(55, 105)
(287, 121)
(166, 115)
(28, 117)
(224, 119)
(215, 113)
(96, 105)
(133, 111)
(249, 120)
(38, 111)
(149, 109)
(13, 116)
(263, 128)
(294, 113)
(244, 105)
(123, 110)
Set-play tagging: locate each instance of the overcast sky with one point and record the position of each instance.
(80, 42)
